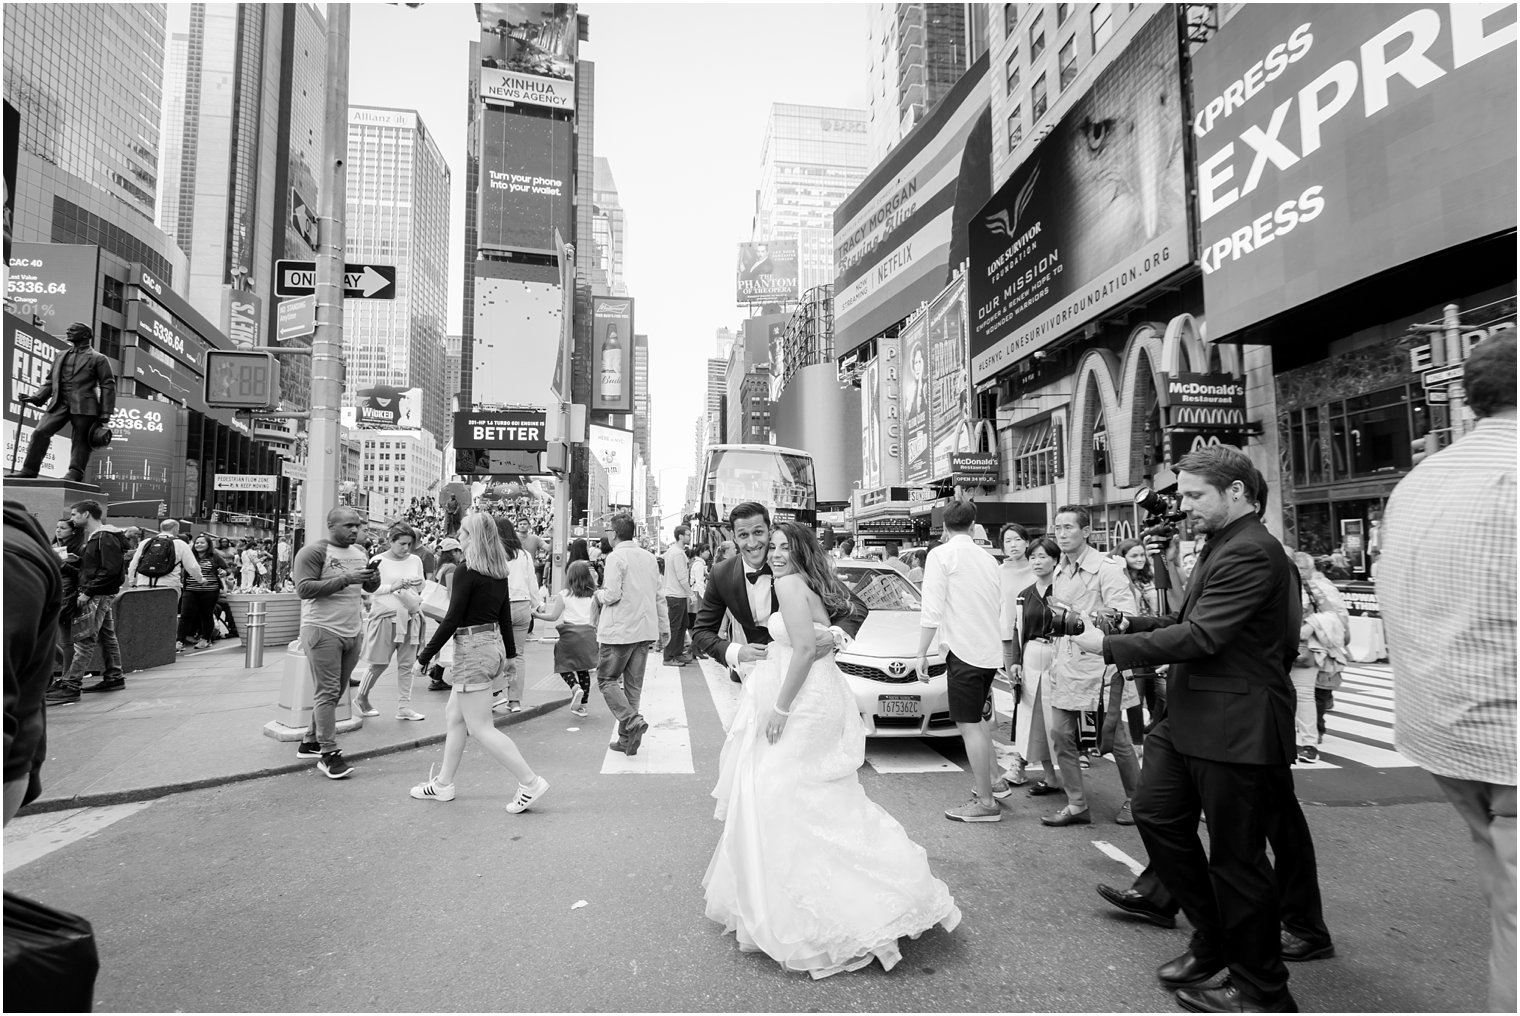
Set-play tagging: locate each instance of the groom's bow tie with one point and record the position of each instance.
(754, 576)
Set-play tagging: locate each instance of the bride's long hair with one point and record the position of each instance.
(815, 567)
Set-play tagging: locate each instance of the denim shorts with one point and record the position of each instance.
(480, 662)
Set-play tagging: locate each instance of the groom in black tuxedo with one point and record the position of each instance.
(743, 587)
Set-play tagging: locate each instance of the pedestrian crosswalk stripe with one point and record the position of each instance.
(667, 744)
(724, 692)
(1365, 712)
(1366, 754)
(1364, 697)
(31, 837)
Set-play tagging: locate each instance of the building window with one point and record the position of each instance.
(1012, 72)
(1037, 101)
(1037, 37)
(1010, 19)
(1015, 127)
(1034, 457)
(1067, 59)
(1063, 11)
(112, 296)
(1102, 24)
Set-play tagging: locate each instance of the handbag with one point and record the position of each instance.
(50, 958)
(435, 600)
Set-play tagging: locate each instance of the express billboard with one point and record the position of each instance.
(525, 180)
(612, 346)
(767, 270)
(1095, 215)
(613, 448)
(527, 54)
(54, 283)
(1335, 141)
(518, 310)
(899, 235)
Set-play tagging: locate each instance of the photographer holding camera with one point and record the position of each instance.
(1226, 744)
(1085, 581)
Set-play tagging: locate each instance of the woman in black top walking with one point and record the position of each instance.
(480, 623)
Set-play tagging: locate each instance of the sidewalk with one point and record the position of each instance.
(199, 722)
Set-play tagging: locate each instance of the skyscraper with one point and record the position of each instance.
(247, 112)
(812, 158)
(398, 213)
(88, 151)
(643, 422)
(917, 53)
(453, 366)
(609, 231)
(714, 413)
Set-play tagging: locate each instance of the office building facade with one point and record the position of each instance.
(608, 233)
(916, 54)
(398, 214)
(398, 465)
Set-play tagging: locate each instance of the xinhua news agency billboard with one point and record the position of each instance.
(525, 180)
(767, 270)
(1095, 215)
(1335, 141)
(527, 54)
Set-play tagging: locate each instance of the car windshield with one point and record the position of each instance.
(880, 588)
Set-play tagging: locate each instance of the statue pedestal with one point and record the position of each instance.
(49, 497)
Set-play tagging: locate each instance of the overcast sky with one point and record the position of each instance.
(682, 93)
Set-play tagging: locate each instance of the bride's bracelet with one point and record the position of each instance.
(779, 711)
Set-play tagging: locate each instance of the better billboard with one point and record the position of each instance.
(613, 448)
(527, 54)
(518, 310)
(767, 271)
(1095, 215)
(899, 235)
(612, 345)
(525, 180)
(502, 429)
(1335, 141)
(54, 282)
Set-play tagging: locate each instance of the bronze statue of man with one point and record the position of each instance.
(80, 390)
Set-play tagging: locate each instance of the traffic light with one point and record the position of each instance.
(242, 379)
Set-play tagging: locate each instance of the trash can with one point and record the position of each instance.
(296, 692)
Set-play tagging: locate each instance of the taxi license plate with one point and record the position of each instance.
(900, 705)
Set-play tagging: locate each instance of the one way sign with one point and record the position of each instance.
(360, 282)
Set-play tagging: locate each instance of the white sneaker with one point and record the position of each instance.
(527, 796)
(432, 790)
(405, 713)
(579, 711)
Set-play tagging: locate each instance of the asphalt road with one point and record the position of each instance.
(297, 893)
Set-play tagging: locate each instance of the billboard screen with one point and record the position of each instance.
(612, 345)
(54, 282)
(1095, 214)
(518, 310)
(767, 271)
(525, 180)
(29, 354)
(870, 427)
(527, 54)
(613, 448)
(504, 429)
(136, 465)
(950, 392)
(918, 457)
(898, 236)
(1363, 137)
(385, 406)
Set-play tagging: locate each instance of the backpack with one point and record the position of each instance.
(159, 557)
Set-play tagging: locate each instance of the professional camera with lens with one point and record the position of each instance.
(1058, 620)
(1162, 514)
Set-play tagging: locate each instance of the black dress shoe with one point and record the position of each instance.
(1294, 949)
(1229, 998)
(119, 683)
(20, 474)
(1132, 902)
(1042, 788)
(1187, 971)
(1064, 817)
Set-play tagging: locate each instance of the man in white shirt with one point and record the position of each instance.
(962, 599)
(629, 622)
(676, 588)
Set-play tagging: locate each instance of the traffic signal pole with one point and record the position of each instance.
(324, 435)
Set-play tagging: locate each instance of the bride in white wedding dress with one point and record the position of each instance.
(809, 869)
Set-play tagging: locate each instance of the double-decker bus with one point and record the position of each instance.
(779, 478)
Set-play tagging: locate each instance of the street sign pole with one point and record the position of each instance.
(324, 434)
(1451, 321)
(561, 539)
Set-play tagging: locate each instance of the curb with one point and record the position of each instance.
(44, 805)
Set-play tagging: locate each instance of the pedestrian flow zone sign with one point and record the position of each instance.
(360, 282)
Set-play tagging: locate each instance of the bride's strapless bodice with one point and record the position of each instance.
(776, 625)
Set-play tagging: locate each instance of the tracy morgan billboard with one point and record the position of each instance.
(526, 169)
(1094, 215)
(1335, 141)
(897, 236)
(527, 54)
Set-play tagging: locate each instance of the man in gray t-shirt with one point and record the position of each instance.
(327, 574)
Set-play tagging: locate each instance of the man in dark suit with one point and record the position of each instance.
(81, 389)
(1226, 744)
(742, 586)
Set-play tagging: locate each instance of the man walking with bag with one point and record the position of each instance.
(629, 623)
(101, 574)
(676, 588)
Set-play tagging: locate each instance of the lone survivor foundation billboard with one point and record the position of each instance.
(1095, 215)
